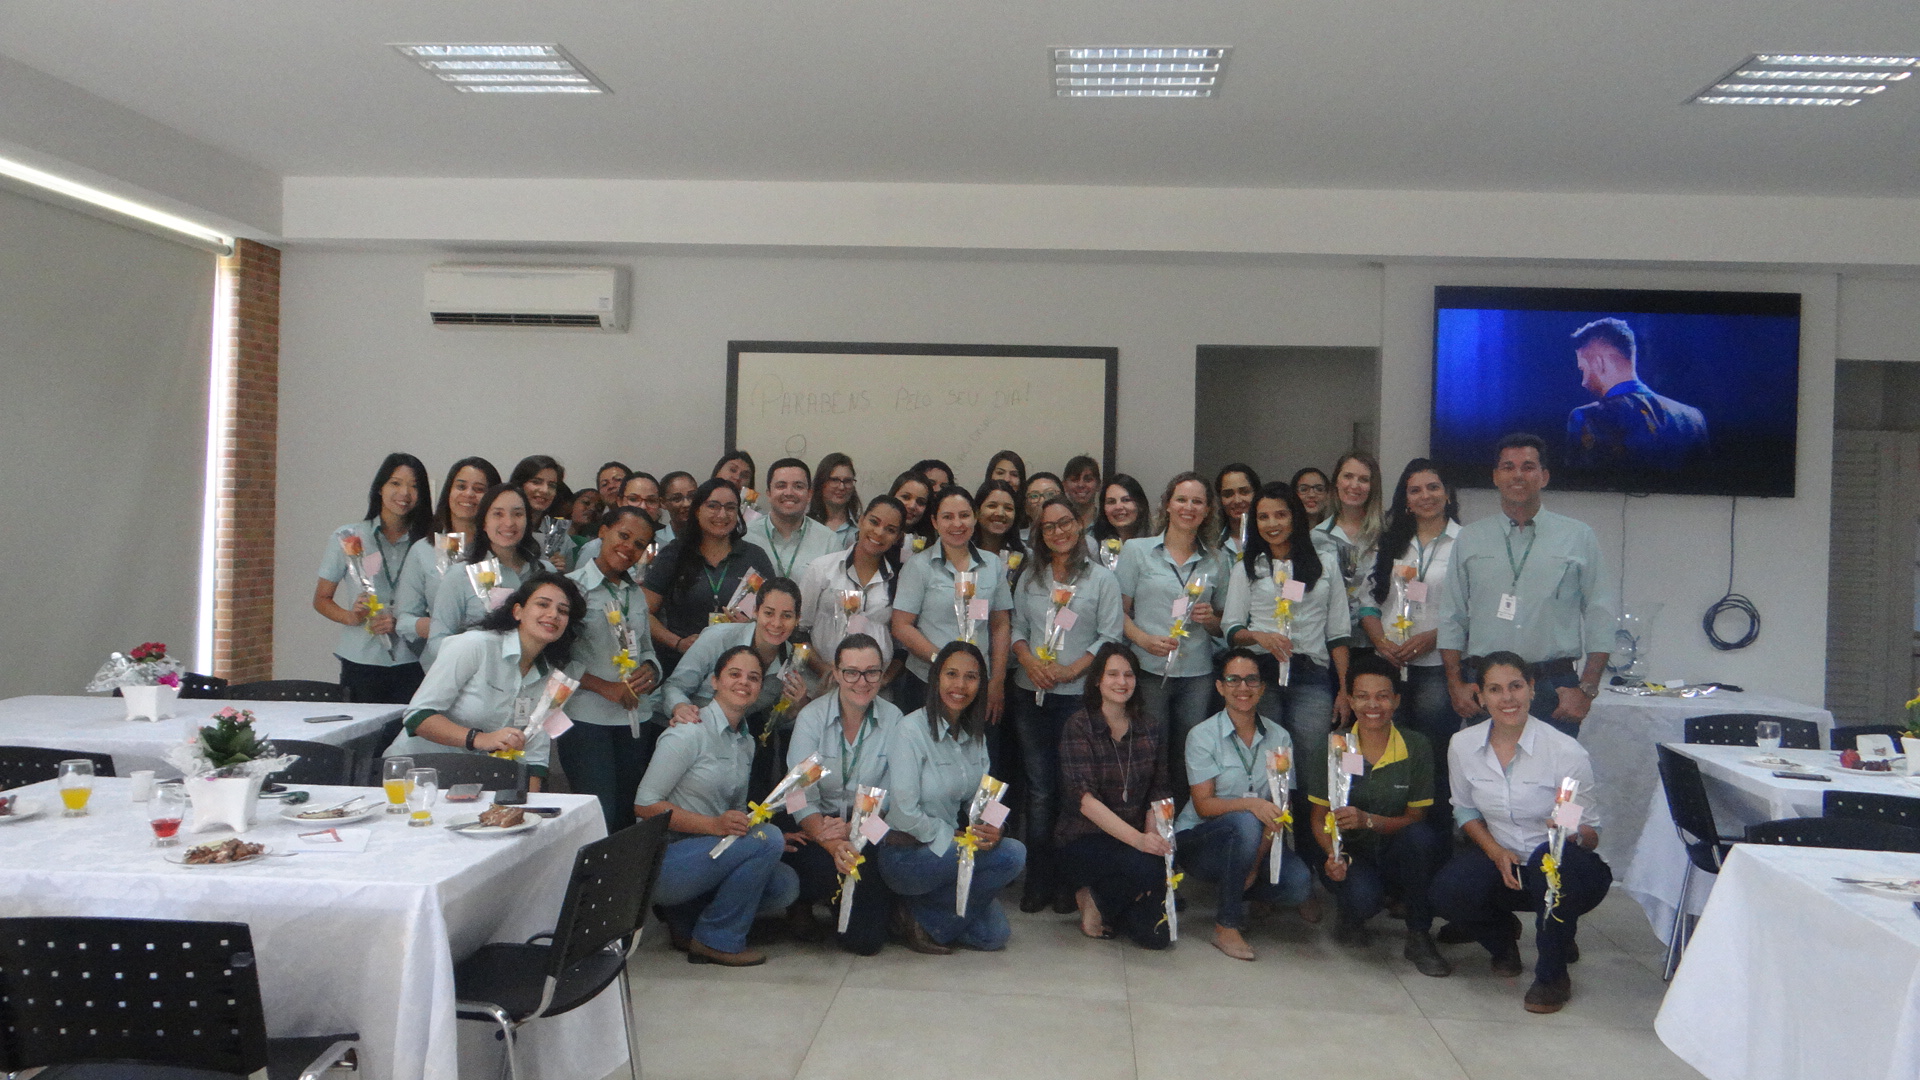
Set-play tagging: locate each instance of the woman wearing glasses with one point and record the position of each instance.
(836, 502)
(1312, 486)
(692, 581)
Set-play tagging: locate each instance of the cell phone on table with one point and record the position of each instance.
(543, 811)
(509, 797)
(336, 718)
(1818, 778)
(464, 793)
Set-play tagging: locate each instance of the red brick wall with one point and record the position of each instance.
(243, 561)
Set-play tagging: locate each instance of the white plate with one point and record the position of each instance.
(489, 832)
(178, 857)
(23, 808)
(1894, 888)
(1770, 761)
(1896, 770)
(292, 813)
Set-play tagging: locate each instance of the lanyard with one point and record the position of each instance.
(1423, 555)
(1251, 753)
(1177, 575)
(714, 584)
(619, 598)
(850, 752)
(773, 547)
(1533, 533)
(387, 560)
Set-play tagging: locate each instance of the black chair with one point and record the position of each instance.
(1693, 820)
(1872, 806)
(195, 685)
(286, 690)
(320, 763)
(1736, 729)
(23, 765)
(491, 773)
(367, 751)
(88, 998)
(1836, 832)
(1847, 738)
(512, 985)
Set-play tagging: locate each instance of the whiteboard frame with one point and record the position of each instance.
(910, 352)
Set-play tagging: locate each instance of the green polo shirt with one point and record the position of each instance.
(1400, 781)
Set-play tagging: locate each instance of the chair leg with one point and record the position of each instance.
(1676, 941)
(626, 1025)
(511, 1063)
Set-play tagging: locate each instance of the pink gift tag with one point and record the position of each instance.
(874, 829)
(371, 562)
(1065, 618)
(1294, 589)
(497, 596)
(556, 724)
(796, 801)
(1567, 815)
(1417, 591)
(1352, 764)
(859, 625)
(747, 604)
(994, 814)
(977, 608)
(1180, 606)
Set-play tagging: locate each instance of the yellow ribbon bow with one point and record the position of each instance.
(1174, 880)
(762, 813)
(1403, 624)
(374, 608)
(852, 874)
(1550, 867)
(964, 838)
(508, 755)
(1285, 819)
(1281, 608)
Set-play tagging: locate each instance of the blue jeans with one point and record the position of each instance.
(607, 761)
(1305, 708)
(716, 900)
(1224, 850)
(1181, 703)
(1427, 709)
(1039, 728)
(1402, 865)
(927, 882)
(1468, 892)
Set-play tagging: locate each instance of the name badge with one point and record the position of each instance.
(1509, 606)
(1417, 591)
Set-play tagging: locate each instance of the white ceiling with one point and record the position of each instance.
(1551, 95)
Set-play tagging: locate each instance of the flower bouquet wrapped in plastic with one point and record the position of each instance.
(784, 707)
(1399, 613)
(1279, 785)
(355, 551)
(799, 778)
(446, 549)
(483, 577)
(1339, 789)
(750, 583)
(1059, 621)
(864, 828)
(1110, 551)
(1160, 815)
(147, 664)
(989, 792)
(546, 713)
(966, 585)
(1283, 613)
(1182, 607)
(1565, 820)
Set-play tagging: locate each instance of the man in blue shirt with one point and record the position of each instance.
(1630, 426)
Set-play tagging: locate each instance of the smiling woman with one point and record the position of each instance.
(362, 565)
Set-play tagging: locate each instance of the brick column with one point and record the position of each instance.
(243, 561)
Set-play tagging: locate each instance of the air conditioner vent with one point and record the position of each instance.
(501, 318)
(531, 297)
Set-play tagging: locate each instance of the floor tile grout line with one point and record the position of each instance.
(1461, 1065)
(824, 1013)
(1126, 987)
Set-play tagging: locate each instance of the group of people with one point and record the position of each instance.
(1245, 649)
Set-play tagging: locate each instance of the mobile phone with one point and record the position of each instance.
(543, 811)
(463, 793)
(1819, 778)
(509, 797)
(328, 719)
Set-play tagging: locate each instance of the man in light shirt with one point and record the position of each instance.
(790, 538)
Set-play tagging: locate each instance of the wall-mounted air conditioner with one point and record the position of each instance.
(537, 297)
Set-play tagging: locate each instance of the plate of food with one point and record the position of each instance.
(346, 813)
(494, 822)
(1894, 888)
(1851, 761)
(1775, 761)
(19, 808)
(232, 851)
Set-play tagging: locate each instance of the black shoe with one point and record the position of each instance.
(1033, 901)
(803, 926)
(1065, 904)
(1548, 997)
(1506, 962)
(1457, 934)
(1573, 952)
(1352, 934)
(914, 936)
(1425, 958)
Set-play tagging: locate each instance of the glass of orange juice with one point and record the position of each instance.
(422, 786)
(76, 786)
(394, 779)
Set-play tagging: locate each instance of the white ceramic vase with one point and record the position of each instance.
(150, 702)
(223, 801)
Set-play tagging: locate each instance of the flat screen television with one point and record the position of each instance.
(1645, 392)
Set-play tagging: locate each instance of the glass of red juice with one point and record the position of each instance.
(165, 810)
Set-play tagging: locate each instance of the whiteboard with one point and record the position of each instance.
(888, 406)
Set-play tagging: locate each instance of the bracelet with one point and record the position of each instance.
(472, 734)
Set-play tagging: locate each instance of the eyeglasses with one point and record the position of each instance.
(867, 675)
(839, 480)
(683, 497)
(1241, 680)
(1058, 526)
(1316, 489)
(716, 504)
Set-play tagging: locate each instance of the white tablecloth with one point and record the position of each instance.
(99, 725)
(346, 942)
(1793, 976)
(1741, 795)
(1620, 733)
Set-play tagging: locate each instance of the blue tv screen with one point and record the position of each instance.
(1645, 392)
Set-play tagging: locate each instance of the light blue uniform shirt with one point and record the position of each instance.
(817, 730)
(1319, 620)
(847, 532)
(1215, 752)
(930, 781)
(385, 561)
(593, 652)
(1568, 600)
(1428, 562)
(792, 556)
(1098, 618)
(701, 768)
(692, 681)
(826, 622)
(1149, 578)
(477, 684)
(419, 580)
(926, 591)
(1351, 563)
(457, 608)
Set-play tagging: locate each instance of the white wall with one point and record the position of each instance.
(363, 373)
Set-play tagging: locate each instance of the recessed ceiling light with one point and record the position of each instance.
(505, 69)
(1807, 79)
(1138, 71)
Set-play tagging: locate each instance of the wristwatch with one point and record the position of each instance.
(1592, 690)
(472, 734)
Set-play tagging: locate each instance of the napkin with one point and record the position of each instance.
(334, 840)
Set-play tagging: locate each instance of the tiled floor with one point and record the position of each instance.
(1057, 1006)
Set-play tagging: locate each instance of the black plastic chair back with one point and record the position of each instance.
(1872, 806)
(491, 773)
(1687, 802)
(608, 895)
(286, 690)
(153, 991)
(367, 750)
(1835, 832)
(1848, 738)
(202, 686)
(320, 763)
(1737, 729)
(23, 765)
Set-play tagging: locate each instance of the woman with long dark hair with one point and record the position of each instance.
(1315, 492)
(914, 493)
(775, 617)
(998, 507)
(1124, 515)
(737, 467)
(1007, 467)
(930, 610)
(544, 482)
(455, 520)
(836, 499)
(692, 580)
(676, 494)
(1081, 479)
(851, 591)
(1236, 485)
(499, 556)
(376, 663)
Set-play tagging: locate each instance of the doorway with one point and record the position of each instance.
(1281, 408)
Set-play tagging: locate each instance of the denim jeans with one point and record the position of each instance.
(1468, 892)
(1039, 728)
(1129, 886)
(1425, 707)
(1401, 865)
(1180, 703)
(1224, 850)
(716, 900)
(928, 882)
(872, 900)
(607, 761)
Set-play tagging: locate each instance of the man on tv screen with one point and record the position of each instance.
(1630, 426)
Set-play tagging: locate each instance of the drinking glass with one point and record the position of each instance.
(394, 779)
(166, 808)
(1767, 735)
(76, 786)
(422, 785)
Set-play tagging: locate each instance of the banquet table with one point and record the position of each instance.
(1793, 975)
(1741, 794)
(99, 725)
(346, 942)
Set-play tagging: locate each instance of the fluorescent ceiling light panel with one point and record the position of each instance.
(1808, 79)
(1138, 71)
(505, 68)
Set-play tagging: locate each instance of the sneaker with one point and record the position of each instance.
(698, 953)
(1549, 997)
(1425, 958)
(1506, 962)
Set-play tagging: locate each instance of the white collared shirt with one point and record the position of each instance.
(1428, 562)
(1516, 801)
